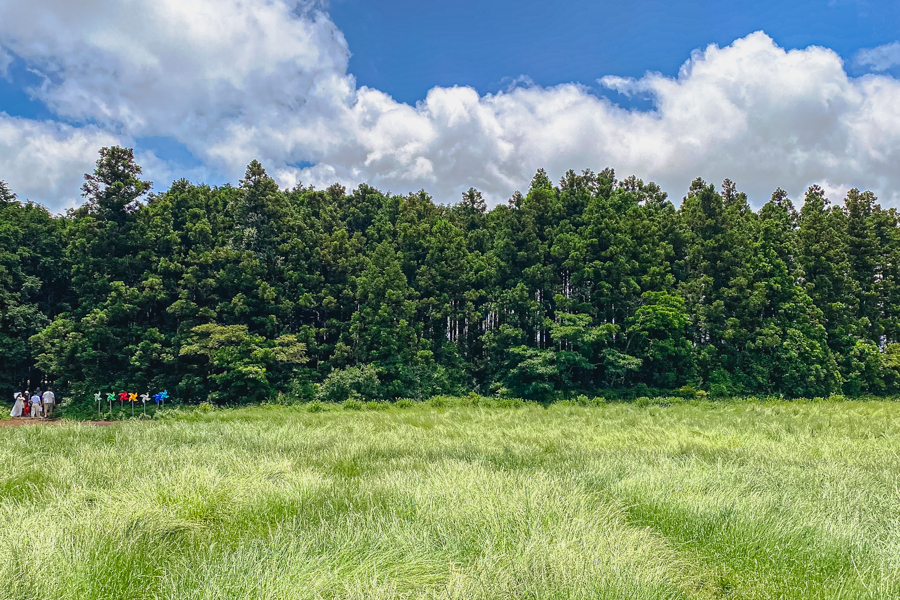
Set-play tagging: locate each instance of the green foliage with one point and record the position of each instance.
(316, 406)
(237, 362)
(34, 284)
(533, 374)
(351, 382)
(252, 293)
(658, 332)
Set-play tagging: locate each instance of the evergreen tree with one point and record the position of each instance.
(240, 293)
(33, 285)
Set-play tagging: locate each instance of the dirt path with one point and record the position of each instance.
(18, 421)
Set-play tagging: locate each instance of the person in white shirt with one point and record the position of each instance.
(49, 401)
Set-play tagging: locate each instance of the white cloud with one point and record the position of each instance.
(235, 80)
(880, 58)
(44, 161)
(5, 60)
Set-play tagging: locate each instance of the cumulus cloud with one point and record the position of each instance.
(42, 160)
(880, 58)
(234, 80)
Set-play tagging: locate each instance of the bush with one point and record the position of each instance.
(405, 403)
(316, 406)
(687, 391)
(473, 399)
(509, 403)
(342, 384)
(722, 385)
(300, 390)
(582, 400)
(283, 399)
(421, 381)
(353, 403)
(438, 401)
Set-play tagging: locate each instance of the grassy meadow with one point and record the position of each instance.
(694, 500)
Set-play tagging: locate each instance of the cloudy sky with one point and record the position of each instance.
(453, 94)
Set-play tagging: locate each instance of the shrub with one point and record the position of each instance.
(354, 402)
(722, 385)
(473, 399)
(302, 390)
(283, 399)
(421, 381)
(316, 406)
(509, 403)
(502, 392)
(342, 384)
(438, 401)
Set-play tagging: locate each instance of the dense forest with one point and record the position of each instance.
(594, 285)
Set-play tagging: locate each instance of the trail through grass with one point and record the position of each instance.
(697, 500)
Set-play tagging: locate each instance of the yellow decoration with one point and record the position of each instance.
(132, 397)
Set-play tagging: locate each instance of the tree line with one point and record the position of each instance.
(240, 293)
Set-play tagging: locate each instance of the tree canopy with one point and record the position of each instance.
(234, 294)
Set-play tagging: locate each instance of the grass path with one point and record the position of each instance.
(699, 500)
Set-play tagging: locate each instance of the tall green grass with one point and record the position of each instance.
(693, 500)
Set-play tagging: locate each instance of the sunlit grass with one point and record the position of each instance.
(695, 500)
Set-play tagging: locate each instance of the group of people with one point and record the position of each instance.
(35, 405)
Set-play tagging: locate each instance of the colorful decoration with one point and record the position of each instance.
(161, 397)
(145, 398)
(132, 397)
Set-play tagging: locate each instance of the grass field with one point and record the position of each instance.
(695, 500)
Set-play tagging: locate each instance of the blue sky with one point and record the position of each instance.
(406, 47)
(438, 95)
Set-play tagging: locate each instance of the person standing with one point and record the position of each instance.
(35, 406)
(18, 407)
(49, 400)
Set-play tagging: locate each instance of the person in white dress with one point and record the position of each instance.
(18, 406)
